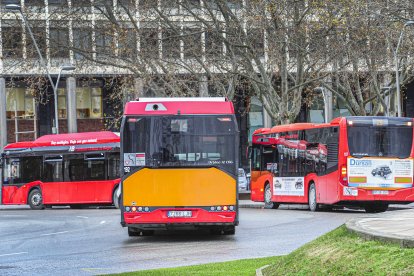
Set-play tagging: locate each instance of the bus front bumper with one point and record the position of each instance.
(161, 217)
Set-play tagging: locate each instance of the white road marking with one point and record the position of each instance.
(81, 217)
(102, 222)
(11, 254)
(54, 233)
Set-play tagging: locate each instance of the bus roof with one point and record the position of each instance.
(68, 139)
(179, 106)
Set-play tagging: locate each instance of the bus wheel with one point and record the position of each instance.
(229, 231)
(132, 232)
(313, 204)
(35, 200)
(116, 199)
(376, 207)
(268, 199)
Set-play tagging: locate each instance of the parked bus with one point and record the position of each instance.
(65, 169)
(180, 161)
(358, 161)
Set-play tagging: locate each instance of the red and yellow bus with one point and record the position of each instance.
(65, 169)
(358, 161)
(180, 161)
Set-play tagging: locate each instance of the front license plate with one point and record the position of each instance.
(380, 192)
(179, 214)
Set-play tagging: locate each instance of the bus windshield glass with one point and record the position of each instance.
(181, 141)
(384, 139)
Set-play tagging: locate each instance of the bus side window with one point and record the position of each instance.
(52, 168)
(113, 165)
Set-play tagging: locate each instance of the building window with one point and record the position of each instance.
(59, 41)
(20, 102)
(39, 34)
(89, 103)
(170, 43)
(82, 42)
(62, 111)
(12, 41)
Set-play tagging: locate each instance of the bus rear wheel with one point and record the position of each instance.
(35, 200)
(116, 199)
(376, 207)
(269, 204)
(313, 204)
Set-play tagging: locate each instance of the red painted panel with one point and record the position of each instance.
(257, 184)
(182, 107)
(160, 216)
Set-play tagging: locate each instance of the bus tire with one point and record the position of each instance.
(132, 232)
(35, 200)
(269, 204)
(313, 204)
(376, 207)
(116, 199)
(229, 230)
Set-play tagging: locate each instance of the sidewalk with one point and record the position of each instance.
(396, 226)
(14, 207)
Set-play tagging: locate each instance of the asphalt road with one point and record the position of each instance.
(92, 241)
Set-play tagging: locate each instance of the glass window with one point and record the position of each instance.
(113, 165)
(170, 44)
(62, 112)
(89, 102)
(12, 42)
(79, 167)
(183, 141)
(149, 42)
(192, 42)
(127, 43)
(59, 40)
(20, 100)
(22, 170)
(82, 42)
(74, 167)
(104, 40)
(53, 169)
(39, 34)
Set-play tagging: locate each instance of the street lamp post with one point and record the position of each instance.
(15, 7)
(397, 75)
(55, 88)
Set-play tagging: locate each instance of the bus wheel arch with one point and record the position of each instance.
(35, 198)
(312, 197)
(116, 199)
(269, 204)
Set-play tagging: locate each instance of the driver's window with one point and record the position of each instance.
(256, 160)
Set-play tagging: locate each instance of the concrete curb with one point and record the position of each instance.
(251, 205)
(260, 269)
(354, 226)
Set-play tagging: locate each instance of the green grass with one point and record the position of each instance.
(342, 253)
(336, 253)
(240, 267)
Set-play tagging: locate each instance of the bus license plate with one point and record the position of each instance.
(180, 214)
(380, 192)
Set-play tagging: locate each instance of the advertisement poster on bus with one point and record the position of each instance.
(380, 172)
(288, 186)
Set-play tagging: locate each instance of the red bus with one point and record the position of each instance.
(351, 161)
(65, 169)
(180, 165)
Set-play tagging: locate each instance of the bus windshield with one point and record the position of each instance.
(181, 141)
(389, 140)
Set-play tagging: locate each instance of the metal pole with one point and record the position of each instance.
(56, 130)
(397, 75)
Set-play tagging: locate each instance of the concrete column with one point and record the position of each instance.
(3, 121)
(138, 89)
(203, 91)
(328, 103)
(71, 104)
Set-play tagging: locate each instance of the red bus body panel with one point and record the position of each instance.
(159, 216)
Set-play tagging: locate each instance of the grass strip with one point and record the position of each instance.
(343, 253)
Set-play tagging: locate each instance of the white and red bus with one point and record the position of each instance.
(65, 169)
(357, 161)
(180, 164)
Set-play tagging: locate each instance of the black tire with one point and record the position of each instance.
(132, 232)
(312, 201)
(376, 207)
(230, 230)
(115, 199)
(268, 197)
(35, 200)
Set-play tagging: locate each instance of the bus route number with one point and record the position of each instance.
(127, 169)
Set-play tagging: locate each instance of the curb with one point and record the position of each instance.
(259, 270)
(369, 234)
(253, 206)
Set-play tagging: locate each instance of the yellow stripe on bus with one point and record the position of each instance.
(179, 187)
(358, 179)
(403, 180)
